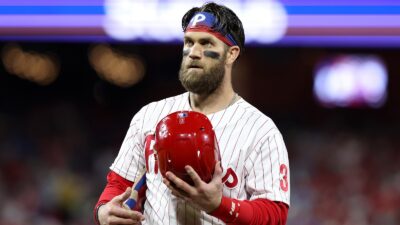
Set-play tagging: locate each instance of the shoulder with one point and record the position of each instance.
(250, 110)
(168, 101)
(160, 105)
(265, 124)
(150, 114)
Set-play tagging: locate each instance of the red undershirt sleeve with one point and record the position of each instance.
(116, 185)
(255, 212)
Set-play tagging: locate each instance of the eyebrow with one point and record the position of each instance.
(203, 39)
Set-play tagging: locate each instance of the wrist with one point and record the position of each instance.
(97, 213)
(234, 211)
(228, 210)
(216, 205)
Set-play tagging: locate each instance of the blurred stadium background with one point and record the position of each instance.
(73, 73)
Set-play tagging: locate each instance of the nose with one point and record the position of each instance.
(195, 51)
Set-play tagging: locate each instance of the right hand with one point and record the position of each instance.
(114, 213)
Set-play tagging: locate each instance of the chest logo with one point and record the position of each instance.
(230, 178)
(151, 165)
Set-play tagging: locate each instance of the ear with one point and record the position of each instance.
(232, 54)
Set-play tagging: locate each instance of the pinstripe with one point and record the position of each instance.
(130, 163)
(252, 162)
(154, 110)
(272, 174)
(126, 141)
(126, 152)
(234, 148)
(123, 162)
(256, 133)
(166, 205)
(183, 100)
(144, 115)
(255, 149)
(237, 161)
(158, 190)
(263, 174)
(242, 186)
(169, 221)
(212, 117)
(226, 125)
(229, 138)
(153, 214)
(118, 159)
(237, 139)
(172, 107)
(219, 139)
(159, 115)
(186, 105)
(260, 142)
(220, 118)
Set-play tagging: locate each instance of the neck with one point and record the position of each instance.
(214, 102)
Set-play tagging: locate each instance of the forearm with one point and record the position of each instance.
(116, 185)
(255, 212)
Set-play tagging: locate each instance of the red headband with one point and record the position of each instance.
(205, 22)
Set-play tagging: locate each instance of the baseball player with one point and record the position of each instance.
(250, 184)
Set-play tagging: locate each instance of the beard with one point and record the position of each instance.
(205, 81)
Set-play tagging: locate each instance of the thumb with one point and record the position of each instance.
(122, 197)
(217, 171)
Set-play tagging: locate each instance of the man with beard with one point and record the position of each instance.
(253, 187)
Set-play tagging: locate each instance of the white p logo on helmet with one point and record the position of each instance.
(197, 18)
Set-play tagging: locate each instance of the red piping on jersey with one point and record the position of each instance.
(255, 212)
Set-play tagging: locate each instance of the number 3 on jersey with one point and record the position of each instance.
(283, 177)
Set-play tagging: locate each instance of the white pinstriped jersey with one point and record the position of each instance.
(253, 156)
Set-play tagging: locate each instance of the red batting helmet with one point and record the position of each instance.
(186, 138)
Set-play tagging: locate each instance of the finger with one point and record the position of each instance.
(179, 183)
(172, 188)
(116, 220)
(166, 182)
(218, 171)
(126, 213)
(179, 194)
(122, 197)
(194, 176)
(175, 190)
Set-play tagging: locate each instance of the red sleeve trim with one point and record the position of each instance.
(255, 212)
(116, 185)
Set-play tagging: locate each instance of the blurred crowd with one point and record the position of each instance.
(344, 177)
(54, 159)
(53, 165)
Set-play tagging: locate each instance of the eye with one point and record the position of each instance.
(207, 43)
(188, 42)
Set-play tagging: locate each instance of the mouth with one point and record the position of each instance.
(193, 66)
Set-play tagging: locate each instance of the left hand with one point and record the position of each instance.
(206, 196)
